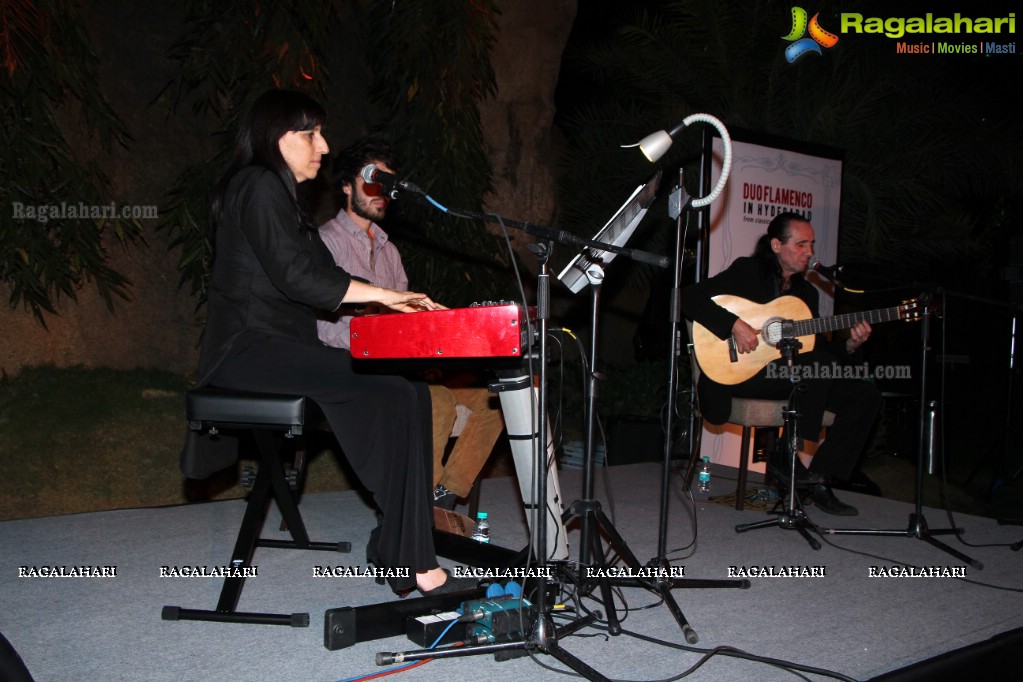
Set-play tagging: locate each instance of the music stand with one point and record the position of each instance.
(589, 264)
(588, 268)
(544, 636)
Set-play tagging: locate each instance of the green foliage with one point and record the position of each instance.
(230, 53)
(49, 74)
(928, 146)
(432, 72)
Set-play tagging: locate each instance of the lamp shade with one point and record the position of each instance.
(655, 145)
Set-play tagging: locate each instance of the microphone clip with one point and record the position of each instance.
(828, 272)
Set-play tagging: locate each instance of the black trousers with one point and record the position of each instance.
(383, 424)
(855, 403)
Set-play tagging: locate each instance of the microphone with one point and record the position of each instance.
(374, 175)
(830, 272)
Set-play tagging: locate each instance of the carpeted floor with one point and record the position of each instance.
(844, 620)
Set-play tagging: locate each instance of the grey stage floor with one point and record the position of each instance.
(844, 620)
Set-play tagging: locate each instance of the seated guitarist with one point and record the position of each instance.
(776, 269)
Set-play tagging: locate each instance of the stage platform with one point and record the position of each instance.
(851, 607)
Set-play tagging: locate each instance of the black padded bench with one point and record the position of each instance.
(264, 415)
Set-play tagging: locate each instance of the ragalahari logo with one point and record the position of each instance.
(801, 45)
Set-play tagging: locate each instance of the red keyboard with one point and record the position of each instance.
(483, 331)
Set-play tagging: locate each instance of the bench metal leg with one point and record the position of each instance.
(270, 482)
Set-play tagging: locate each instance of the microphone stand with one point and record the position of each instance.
(1000, 465)
(595, 523)
(925, 454)
(678, 201)
(543, 636)
(792, 517)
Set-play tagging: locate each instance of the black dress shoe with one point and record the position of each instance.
(372, 559)
(858, 483)
(824, 497)
(779, 469)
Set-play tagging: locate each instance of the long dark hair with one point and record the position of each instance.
(780, 229)
(273, 114)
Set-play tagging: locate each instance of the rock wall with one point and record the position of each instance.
(518, 123)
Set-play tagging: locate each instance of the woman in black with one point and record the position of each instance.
(271, 273)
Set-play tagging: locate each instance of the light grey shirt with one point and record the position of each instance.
(376, 260)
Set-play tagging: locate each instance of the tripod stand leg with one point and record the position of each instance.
(951, 550)
(917, 523)
(664, 589)
(790, 521)
(661, 584)
(574, 662)
(614, 627)
(743, 527)
(814, 543)
(546, 642)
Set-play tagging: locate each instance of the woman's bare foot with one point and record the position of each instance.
(432, 579)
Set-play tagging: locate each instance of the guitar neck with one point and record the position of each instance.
(820, 325)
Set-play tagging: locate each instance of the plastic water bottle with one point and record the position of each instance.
(481, 533)
(703, 478)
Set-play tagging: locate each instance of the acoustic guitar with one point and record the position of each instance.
(784, 317)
